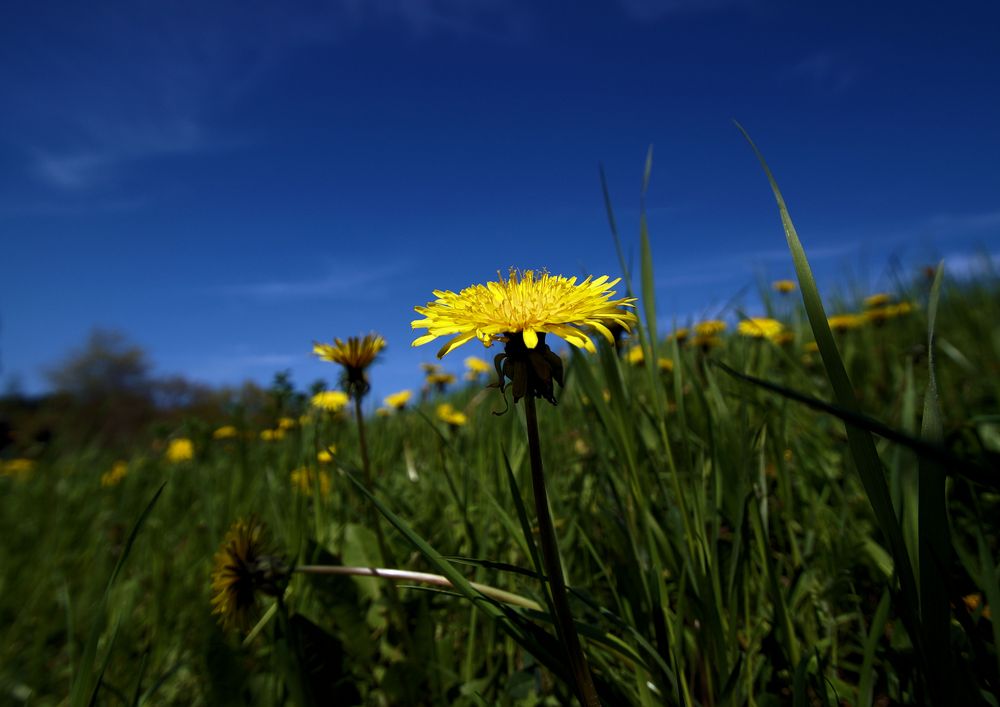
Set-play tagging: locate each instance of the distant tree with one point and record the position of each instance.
(107, 366)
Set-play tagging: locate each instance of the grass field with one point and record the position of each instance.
(828, 538)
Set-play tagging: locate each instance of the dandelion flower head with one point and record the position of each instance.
(527, 303)
(712, 327)
(332, 400)
(225, 432)
(241, 568)
(446, 413)
(179, 450)
(783, 286)
(398, 401)
(355, 355)
(760, 328)
(115, 474)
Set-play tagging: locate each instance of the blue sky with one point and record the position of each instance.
(227, 182)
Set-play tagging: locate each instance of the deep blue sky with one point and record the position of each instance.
(226, 182)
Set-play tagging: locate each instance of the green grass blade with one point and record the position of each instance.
(866, 683)
(935, 545)
(860, 441)
(86, 681)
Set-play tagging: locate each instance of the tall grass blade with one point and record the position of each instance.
(859, 440)
(86, 682)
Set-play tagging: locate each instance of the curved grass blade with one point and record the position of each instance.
(859, 440)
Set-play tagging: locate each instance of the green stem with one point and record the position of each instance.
(553, 566)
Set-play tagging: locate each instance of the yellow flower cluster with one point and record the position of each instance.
(113, 476)
(305, 480)
(180, 449)
(448, 414)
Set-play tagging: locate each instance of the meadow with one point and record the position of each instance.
(801, 509)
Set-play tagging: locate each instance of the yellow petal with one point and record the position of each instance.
(530, 338)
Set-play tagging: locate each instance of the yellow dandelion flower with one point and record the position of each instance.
(783, 286)
(680, 335)
(325, 456)
(783, 338)
(902, 309)
(446, 413)
(114, 476)
(665, 364)
(712, 327)
(17, 467)
(811, 347)
(760, 328)
(355, 355)
(286, 423)
(225, 432)
(180, 449)
(332, 400)
(635, 356)
(241, 569)
(272, 435)
(304, 420)
(440, 379)
(305, 480)
(398, 401)
(844, 322)
(706, 343)
(879, 299)
(476, 366)
(383, 412)
(529, 304)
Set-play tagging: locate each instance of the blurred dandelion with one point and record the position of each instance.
(879, 299)
(17, 466)
(760, 328)
(180, 449)
(679, 335)
(241, 568)
(475, 367)
(448, 414)
(711, 327)
(225, 432)
(844, 322)
(398, 400)
(305, 480)
(115, 474)
(330, 400)
(783, 286)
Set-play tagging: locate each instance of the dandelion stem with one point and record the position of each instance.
(553, 566)
(422, 577)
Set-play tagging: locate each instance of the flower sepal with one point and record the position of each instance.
(531, 371)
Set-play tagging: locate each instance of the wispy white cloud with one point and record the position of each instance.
(138, 81)
(347, 282)
(965, 224)
(964, 266)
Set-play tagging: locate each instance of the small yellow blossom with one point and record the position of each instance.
(115, 474)
(760, 328)
(440, 379)
(844, 322)
(706, 343)
(180, 449)
(476, 367)
(304, 420)
(286, 423)
(680, 335)
(305, 479)
(225, 432)
(665, 364)
(879, 299)
(635, 356)
(398, 400)
(712, 327)
(17, 466)
(332, 400)
(272, 435)
(783, 286)
(383, 412)
(811, 347)
(446, 413)
(355, 355)
(325, 456)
